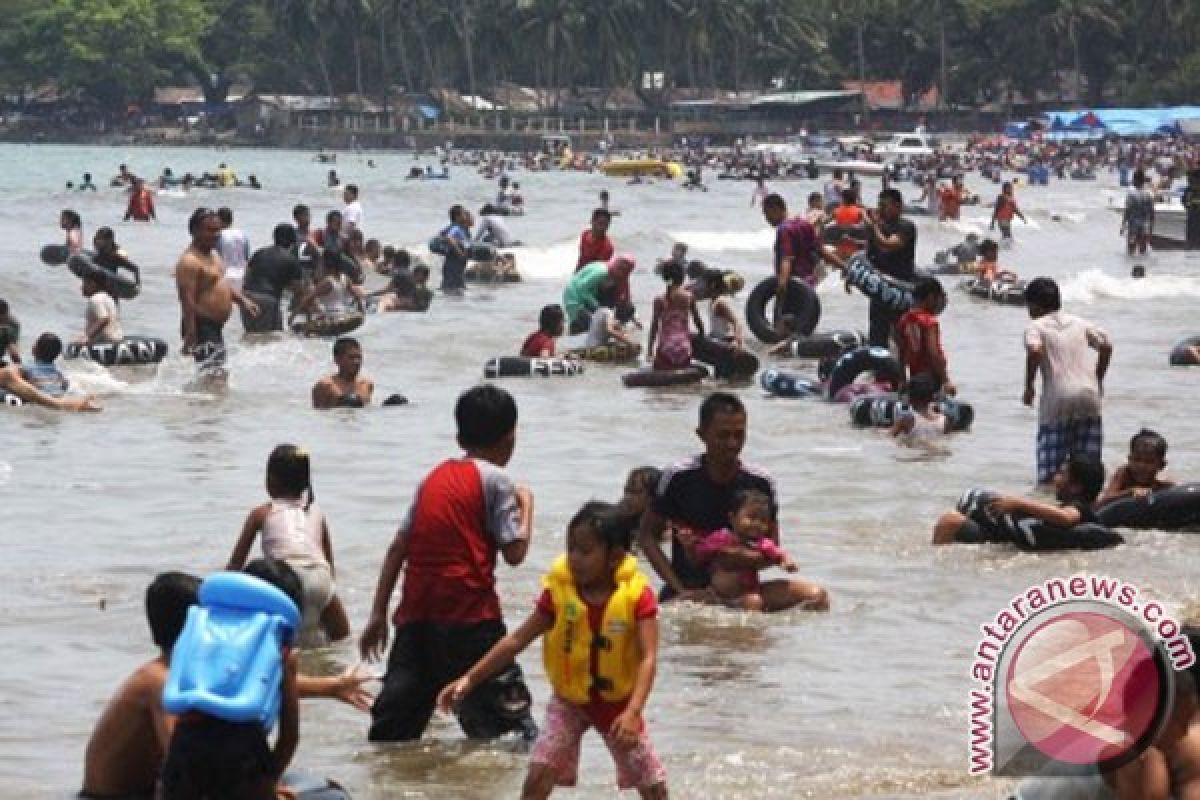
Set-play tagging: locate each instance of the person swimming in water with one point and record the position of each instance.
(346, 388)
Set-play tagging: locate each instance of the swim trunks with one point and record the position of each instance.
(209, 350)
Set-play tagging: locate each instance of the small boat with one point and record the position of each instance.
(631, 167)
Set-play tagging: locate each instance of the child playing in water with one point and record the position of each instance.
(126, 748)
(295, 531)
(737, 587)
(599, 616)
(1076, 485)
(671, 312)
(43, 373)
(920, 337)
(551, 325)
(606, 326)
(815, 213)
(211, 757)
(1004, 211)
(924, 422)
(72, 224)
(1139, 475)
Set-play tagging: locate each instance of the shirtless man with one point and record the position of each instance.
(346, 388)
(205, 298)
(129, 742)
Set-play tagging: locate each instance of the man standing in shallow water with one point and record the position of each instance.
(206, 298)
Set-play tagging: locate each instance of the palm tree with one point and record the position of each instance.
(1074, 19)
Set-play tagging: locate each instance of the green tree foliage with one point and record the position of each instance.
(977, 50)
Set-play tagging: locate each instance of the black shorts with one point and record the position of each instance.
(425, 657)
(209, 350)
(209, 757)
(971, 532)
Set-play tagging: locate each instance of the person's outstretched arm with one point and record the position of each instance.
(374, 637)
(241, 550)
(503, 653)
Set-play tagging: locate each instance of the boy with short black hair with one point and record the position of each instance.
(466, 512)
(127, 746)
(1056, 345)
(1076, 485)
(551, 325)
(210, 757)
(43, 373)
(1139, 475)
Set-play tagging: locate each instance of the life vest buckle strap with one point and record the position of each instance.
(601, 684)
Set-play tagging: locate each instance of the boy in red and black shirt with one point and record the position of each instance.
(920, 337)
(465, 513)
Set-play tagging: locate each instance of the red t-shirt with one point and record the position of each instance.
(796, 239)
(464, 512)
(913, 331)
(537, 343)
(593, 249)
(600, 712)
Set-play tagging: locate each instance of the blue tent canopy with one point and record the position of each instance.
(1123, 121)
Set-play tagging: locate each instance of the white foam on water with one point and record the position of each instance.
(552, 262)
(727, 241)
(1095, 284)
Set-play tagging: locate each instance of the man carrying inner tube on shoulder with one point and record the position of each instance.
(891, 249)
(695, 497)
(797, 250)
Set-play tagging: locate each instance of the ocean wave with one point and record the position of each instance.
(727, 241)
(1095, 284)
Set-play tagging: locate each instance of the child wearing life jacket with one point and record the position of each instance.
(738, 587)
(1004, 211)
(599, 616)
(989, 266)
(294, 530)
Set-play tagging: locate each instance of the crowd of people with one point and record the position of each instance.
(706, 527)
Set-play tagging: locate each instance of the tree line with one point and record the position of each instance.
(117, 51)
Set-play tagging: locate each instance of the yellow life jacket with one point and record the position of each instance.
(567, 651)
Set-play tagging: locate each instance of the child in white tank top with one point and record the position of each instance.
(295, 530)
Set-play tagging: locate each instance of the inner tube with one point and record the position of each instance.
(332, 325)
(1003, 292)
(786, 384)
(129, 351)
(800, 303)
(10, 400)
(481, 251)
(270, 315)
(615, 352)
(396, 400)
(1173, 509)
(55, 255)
(1181, 356)
(883, 289)
(1032, 534)
(313, 787)
(829, 344)
(850, 365)
(881, 410)
(119, 285)
(727, 361)
(664, 377)
(485, 272)
(522, 367)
